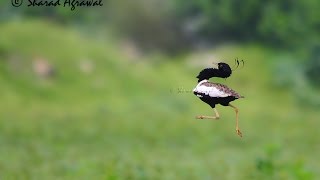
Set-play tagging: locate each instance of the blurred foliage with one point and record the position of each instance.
(152, 25)
(170, 25)
(270, 166)
(292, 76)
(313, 65)
(279, 23)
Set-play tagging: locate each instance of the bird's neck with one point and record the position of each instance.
(208, 73)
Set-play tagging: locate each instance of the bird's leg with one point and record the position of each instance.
(237, 120)
(217, 116)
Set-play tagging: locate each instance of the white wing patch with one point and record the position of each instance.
(210, 91)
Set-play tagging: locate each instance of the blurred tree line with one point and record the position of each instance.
(278, 22)
(170, 24)
(177, 25)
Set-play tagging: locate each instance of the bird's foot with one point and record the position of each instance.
(238, 132)
(199, 117)
(207, 117)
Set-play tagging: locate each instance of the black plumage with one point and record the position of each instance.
(223, 71)
(216, 93)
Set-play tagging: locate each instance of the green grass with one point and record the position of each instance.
(126, 120)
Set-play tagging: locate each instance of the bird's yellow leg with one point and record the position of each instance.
(237, 120)
(217, 116)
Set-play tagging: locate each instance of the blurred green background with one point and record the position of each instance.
(104, 92)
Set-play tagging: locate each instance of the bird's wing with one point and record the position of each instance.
(211, 90)
(215, 90)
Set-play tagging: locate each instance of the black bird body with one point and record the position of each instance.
(216, 93)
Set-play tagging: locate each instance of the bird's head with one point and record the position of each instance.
(224, 69)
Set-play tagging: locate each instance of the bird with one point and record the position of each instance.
(216, 93)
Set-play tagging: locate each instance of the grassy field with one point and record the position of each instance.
(129, 119)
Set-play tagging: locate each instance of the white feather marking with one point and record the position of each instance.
(210, 91)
